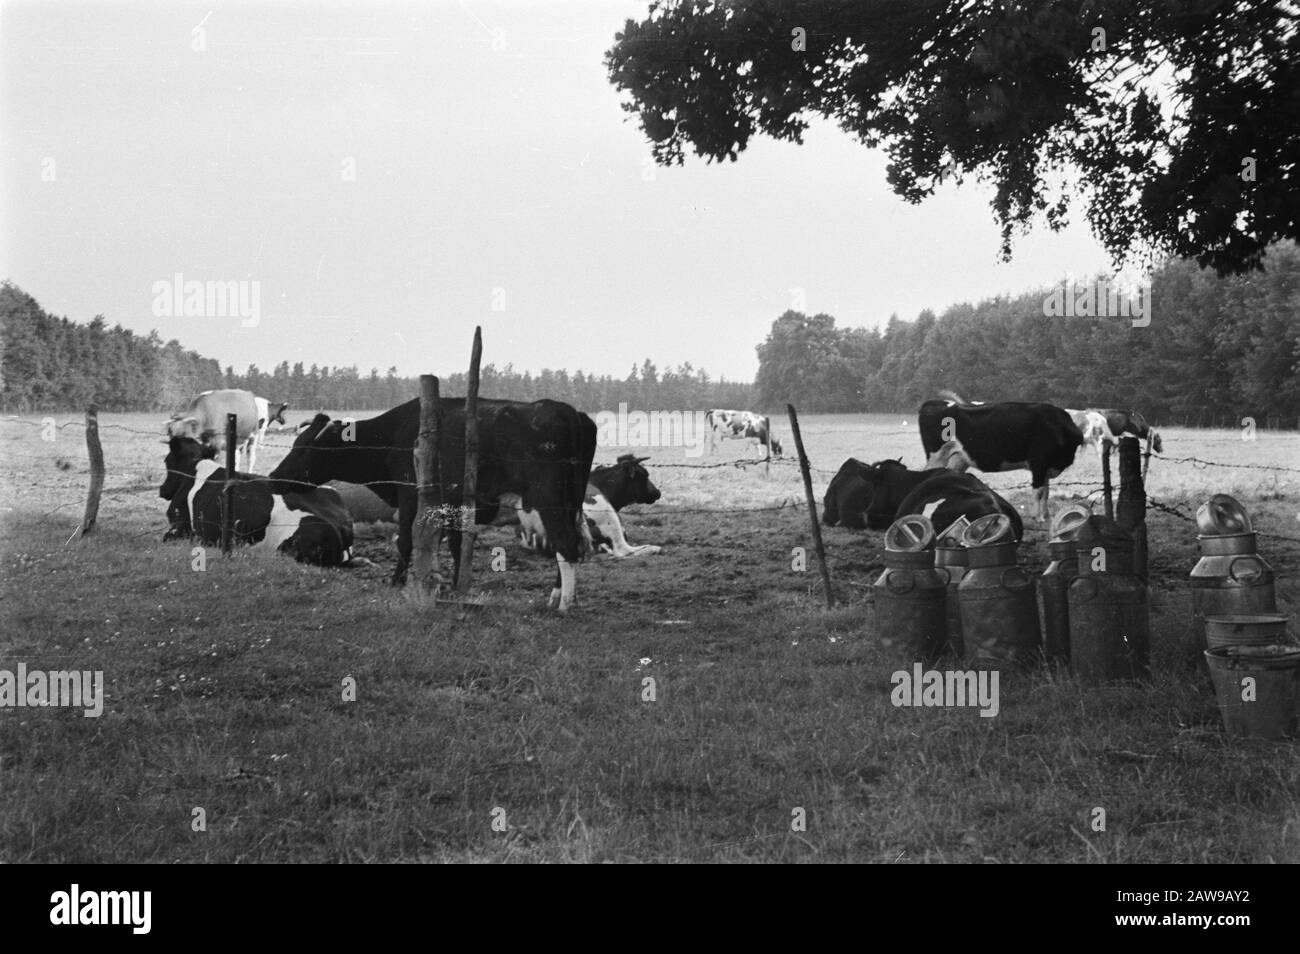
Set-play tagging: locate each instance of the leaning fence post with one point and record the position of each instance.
(469, 528)
(96, 453)
(812, 506)
(1106, 488)
(428, 481)
(228, 491)
(1132, 511)
(767, 431)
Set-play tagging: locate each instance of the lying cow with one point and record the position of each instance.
(310, 524)
(1012, 435)
(205, 421)
(875, 495)
(534, 457)
(609, 490)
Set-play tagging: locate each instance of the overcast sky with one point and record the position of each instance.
(393, 174)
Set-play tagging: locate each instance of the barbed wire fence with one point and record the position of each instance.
(143, 485)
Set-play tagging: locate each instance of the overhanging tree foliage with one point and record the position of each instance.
(1177, 122)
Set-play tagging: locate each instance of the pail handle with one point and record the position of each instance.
(1027, 580)
(1254, 573)
(891, 576)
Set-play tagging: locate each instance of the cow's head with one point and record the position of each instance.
(634, 485)
(314, 449)
(1156, 444)
(887, 491)
(183, 456)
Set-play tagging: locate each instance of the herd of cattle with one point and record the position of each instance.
(535, 469)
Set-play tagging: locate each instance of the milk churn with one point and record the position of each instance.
(1054, 584)
(1109, 622)
(1230, 578)
(950, 556)
(999, 615)
(909, 595)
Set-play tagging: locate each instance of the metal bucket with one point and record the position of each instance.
(1257, 689)
(1266, 629)
(1054, 599)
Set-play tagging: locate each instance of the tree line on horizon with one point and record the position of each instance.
(1215, 350)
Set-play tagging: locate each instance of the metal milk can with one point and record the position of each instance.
(950, 556)
(909, 594)
(999, 614)
(1110, 629)
(1054, 584)
(1230, 578)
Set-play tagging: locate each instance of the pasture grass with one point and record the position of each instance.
(225, 691)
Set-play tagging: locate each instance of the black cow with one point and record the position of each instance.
(875, 495)
(311, 524)
(534, 457)
(1012, 435)
(848, 496)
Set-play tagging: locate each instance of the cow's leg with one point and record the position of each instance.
(406, 507)
(563, 592)
(1042, 494)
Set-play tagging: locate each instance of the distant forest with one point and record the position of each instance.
(1215, 350)
(51, 363)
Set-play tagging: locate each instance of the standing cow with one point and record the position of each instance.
(1011, 435)
(535, 457)
(205, 421)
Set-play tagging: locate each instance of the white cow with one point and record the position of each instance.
(205, 421)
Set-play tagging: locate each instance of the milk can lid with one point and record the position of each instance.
(950, 538)
(1222, 514)
(1068, 521)
(910, 534)
(987, 530)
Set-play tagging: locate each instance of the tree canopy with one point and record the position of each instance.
(1175, 122)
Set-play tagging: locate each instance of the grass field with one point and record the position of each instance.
(224, 688)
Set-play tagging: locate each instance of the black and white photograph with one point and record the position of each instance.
(651, 432)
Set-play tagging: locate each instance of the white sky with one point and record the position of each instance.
(475, 168)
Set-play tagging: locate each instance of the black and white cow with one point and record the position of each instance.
(609, 490)
(872, 496)
(741, 424)
(1011, 435)
(534, 457)
(311, 524)
(205, 421)
(1102, 427)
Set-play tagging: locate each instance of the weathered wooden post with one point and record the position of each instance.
(1132, 511)
(428, 481)
(1106, 488)
(767, 465)
(812, 506)
(228, 491)
(469, 528)
(96, 453)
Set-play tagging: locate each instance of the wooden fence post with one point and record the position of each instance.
(1132, 511)
(228, 491)
(1106, 488)
(469, 528)
(428, 481)
(812, 506)
(96, 453)
(767, 430)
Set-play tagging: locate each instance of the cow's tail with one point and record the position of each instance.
(952, 396)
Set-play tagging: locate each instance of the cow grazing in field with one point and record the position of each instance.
(741, 424)
(609, 490)
(311, 524)
(205, 421)
(1102, 427)
(1011, 435)
(533, 457)
(872, 496)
